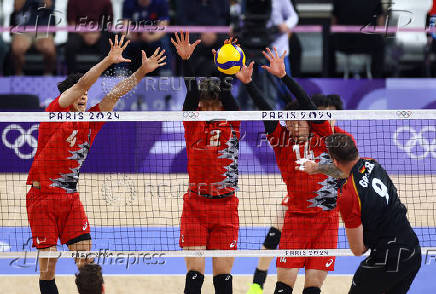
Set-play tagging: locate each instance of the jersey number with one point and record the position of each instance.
(214, 140)
(72, 138)
(380, 189)
(308, 154)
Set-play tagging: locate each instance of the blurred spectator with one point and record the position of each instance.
(33, 13)
(3, 51)
(235, 11)
(295, 50)
(284, 18)
(431, 48)
(203, 63)
(87, 13)
(147, 13)
(358, 13)
(204, 12)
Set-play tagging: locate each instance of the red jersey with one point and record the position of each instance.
(213, 151)
(62, 149)
(307, 193)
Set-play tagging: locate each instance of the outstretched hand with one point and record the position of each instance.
(149, 64)
(276, 63)
(183, 47)
(245, 74)
(116, 53)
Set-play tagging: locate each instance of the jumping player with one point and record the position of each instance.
(210, 207)
(272, 239)
(374, 219)
(311, 220)
(54, 208)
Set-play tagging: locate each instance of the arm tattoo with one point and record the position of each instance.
(330, 169)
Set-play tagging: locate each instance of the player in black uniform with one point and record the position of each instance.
(374, 219)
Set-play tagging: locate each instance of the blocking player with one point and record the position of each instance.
(272, 239)
(54, 208)
(210, 207)
(374, 219)
(89, 279)
(311, 220)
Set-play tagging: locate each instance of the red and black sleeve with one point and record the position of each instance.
(349, 204)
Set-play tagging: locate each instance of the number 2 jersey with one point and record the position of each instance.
(62, 149)
(306, 193)
(213, 152)
(369, 198)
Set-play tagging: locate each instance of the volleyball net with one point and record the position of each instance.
(133, 181)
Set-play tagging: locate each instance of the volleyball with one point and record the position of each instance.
(229, 59)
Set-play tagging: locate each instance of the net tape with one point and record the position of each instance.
(216, 115)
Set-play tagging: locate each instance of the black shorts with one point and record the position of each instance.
(387, 271)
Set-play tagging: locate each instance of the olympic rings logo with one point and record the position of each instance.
(404, 114)
(24, 137)
(417, 140)
(191, 114)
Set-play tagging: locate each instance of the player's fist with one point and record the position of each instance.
(308, 166)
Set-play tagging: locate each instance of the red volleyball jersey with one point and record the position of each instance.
(213, 151)
(307, 193)
(62, 149)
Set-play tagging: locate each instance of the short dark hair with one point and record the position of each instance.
(335, 101)
(321, 100)
(70, 81)
(89, 279)
(209, 89)
(342, 148)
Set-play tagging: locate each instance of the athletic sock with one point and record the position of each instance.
(259, 277)
(48, 287)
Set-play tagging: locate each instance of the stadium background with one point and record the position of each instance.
(406, 83)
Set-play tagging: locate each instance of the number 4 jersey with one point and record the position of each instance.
(62, 149)
(369, 197)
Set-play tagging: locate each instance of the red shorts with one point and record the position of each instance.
(213, 223)
(315, 231)
(53, 216)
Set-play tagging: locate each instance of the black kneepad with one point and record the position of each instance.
(282, 288)
(312, 290)
(193, 283)
(223, 284)
(272, 239)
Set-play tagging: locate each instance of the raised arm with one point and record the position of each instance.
(115, 56)
(277, 68)
(245, 76)
(123, 87)
(185, 50)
